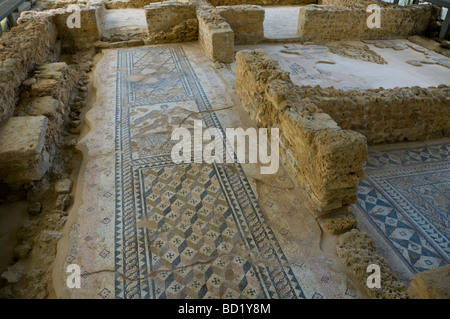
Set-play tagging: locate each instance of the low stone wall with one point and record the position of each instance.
(258, 2)
(387, 115)
(215, 35)
(324, 159)
(171, 21)
(324, 22)
(246, 21)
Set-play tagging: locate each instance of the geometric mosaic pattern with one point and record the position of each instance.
(187, 230)
(406, 197)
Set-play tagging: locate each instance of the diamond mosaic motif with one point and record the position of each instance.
(405, 196)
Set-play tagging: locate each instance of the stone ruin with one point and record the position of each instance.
(44, 80)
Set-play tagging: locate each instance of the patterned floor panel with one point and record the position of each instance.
(406, 197)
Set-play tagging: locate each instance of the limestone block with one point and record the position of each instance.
(23, 157)
(258, 2)
(340, 225)
(246, 21)
(357, 252)
(431, 284)
(63, 186)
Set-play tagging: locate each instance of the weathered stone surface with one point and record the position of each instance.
(30, 141)
(215, 35)
(246, 21)
(56, 80)
(89, 31)
(171, 21)
(63, 186)
(23, 157)
(120, 4)
(14, 273)
(328, 22)
(357, 252)
(45, 105)
(62, 201)
(386, 115)
(258, 2)
(340, 225)
(38, 44)
(22, 250)
(50, 235)
(324, 159)
(431, 284)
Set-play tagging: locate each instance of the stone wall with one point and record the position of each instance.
(72, 39)
(28, 141)
(354, 3)
(171, 21)
(215, 35)
(325, 22)
(21, 49)
(324, 159)
(122, 4)
(258, 2)
(246, 21)
(387, 115)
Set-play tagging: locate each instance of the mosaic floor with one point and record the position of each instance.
(404, 201)
(148, 228)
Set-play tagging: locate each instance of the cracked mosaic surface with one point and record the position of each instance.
(149, 228)
(405, 196)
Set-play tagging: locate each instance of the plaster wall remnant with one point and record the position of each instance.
(324, 159)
